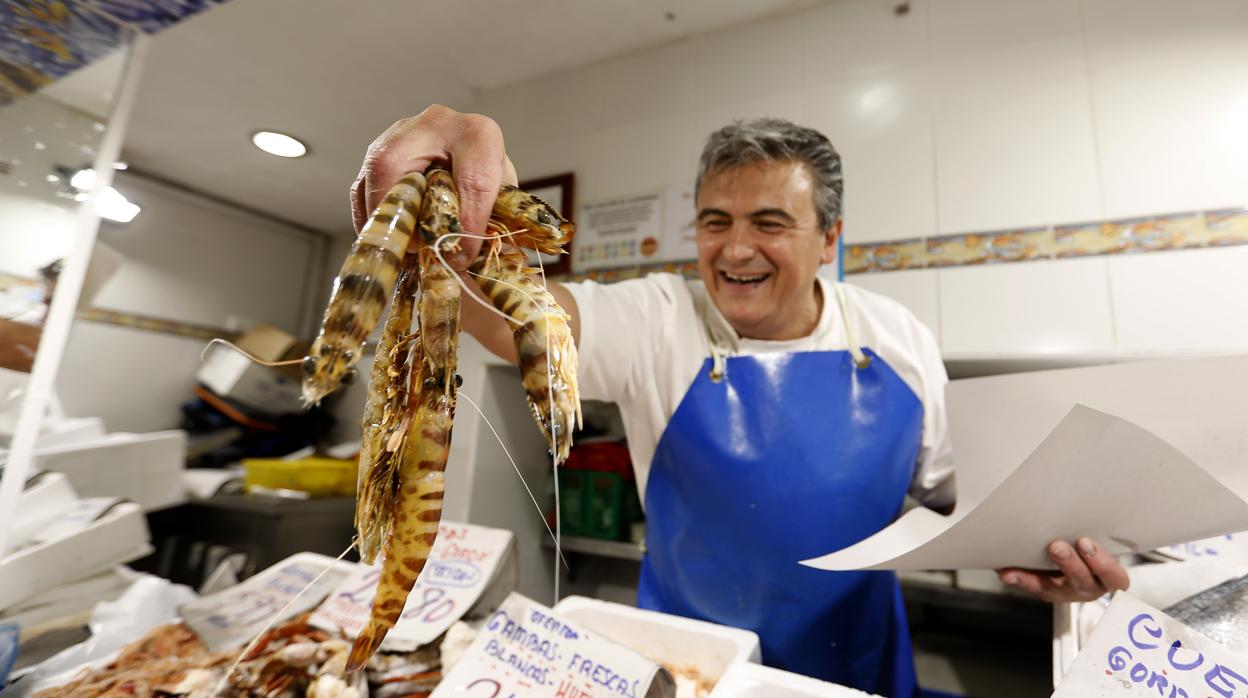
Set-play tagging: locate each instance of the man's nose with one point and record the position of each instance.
(739, 246)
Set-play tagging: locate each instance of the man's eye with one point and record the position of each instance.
(771, 226)
(715, 226)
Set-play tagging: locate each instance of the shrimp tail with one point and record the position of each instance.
(365, 646)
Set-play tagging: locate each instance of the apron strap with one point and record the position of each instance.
(719, 353)
(861, 360)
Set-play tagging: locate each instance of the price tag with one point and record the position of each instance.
(234, 616)
(464, 562)
(1137, 650)
(524, 649)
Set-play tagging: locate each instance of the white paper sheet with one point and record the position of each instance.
(1095, 475)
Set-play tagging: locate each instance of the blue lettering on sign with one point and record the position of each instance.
(520, 664)
(603, 675)
(451, 573)
(518, 634)
(1180, 665)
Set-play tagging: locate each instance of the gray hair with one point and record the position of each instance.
(778, 140)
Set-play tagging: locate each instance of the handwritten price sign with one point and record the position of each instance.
(1137, 650)
(525, 650)
(1232, 547)
(462, 565)
(234, 616)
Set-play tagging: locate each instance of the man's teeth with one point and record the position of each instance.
(744, 279)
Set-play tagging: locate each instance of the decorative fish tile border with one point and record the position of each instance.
(43, 40)
(1176, 231)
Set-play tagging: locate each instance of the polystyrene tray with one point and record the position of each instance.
(678, 643)
(144, 468)
(750, 680)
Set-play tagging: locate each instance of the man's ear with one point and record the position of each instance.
(828, 254)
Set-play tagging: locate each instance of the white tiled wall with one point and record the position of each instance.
(1170, 97)
(917, 289)
(1059, 307)
(960, 116)
(1189, 300)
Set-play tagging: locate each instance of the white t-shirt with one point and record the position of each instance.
(643, 342)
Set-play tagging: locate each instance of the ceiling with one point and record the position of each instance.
(336, 73)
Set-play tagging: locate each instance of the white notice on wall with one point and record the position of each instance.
(619, 232)
(524, 649)
(1137, 650)
(234, 616)
(464, 562)
(679, 241)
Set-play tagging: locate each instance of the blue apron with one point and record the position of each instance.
(784, 458)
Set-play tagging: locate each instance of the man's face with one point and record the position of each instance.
(760, 246)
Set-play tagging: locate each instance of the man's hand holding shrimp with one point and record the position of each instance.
(471, 145)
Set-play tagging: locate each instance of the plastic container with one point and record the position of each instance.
(593, 504)
(682, 645)
(749, 680)
(317, 476)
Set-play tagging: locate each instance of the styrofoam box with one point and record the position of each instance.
(120, 535)
(70, 430)
(671, 640)
(40, 504)
(144, 468)
(749, 680)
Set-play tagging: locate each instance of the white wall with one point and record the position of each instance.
(188, 259)
(962, 116)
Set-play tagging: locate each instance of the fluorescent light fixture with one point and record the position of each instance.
(111, 204)
(83, 180)
(121, 165)
(278, 144)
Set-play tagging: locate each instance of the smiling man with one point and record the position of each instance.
(772, 415)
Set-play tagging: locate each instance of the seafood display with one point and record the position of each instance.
(291, 660)
(410, 408)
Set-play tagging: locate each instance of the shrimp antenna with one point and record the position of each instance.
(244, 352)
(517, 467)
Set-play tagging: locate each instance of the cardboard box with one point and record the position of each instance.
(144, 468)
(232, 375)
(267, 343)
(673, 641)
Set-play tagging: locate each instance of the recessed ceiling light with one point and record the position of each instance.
(278, 144)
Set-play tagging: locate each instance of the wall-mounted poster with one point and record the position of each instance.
(679, 241)
(558, 191)
(620, 232)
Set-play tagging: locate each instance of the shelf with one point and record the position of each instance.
(619, 550)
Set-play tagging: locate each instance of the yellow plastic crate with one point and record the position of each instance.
(316, 476)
